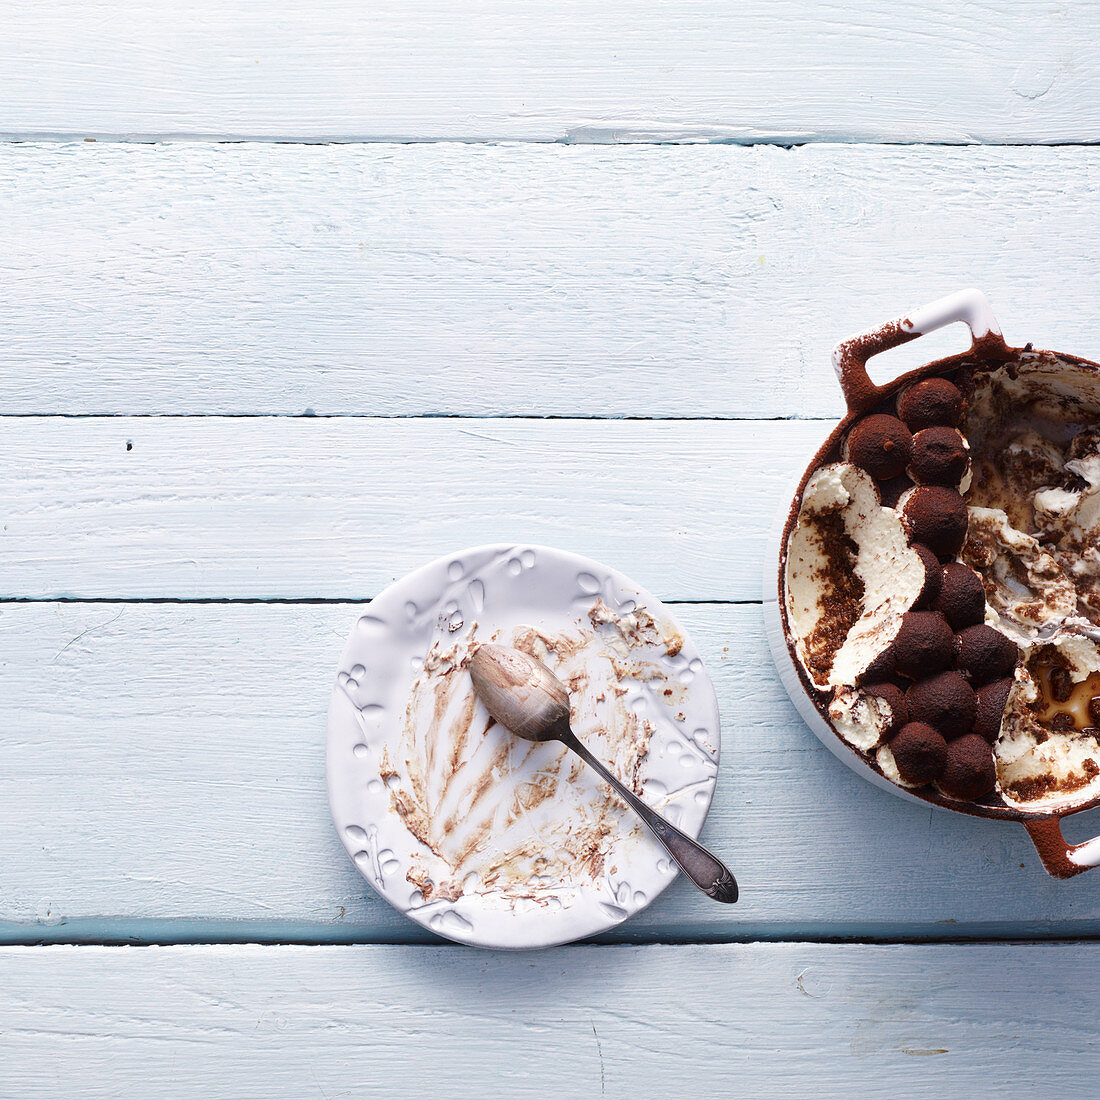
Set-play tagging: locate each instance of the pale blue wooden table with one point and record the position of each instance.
(286, 296)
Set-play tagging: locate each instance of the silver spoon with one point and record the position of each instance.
(524, 696)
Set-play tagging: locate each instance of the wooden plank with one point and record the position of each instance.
(621, 71)
(395, 280)
(339, 508)
(776, 1019)
(162, 778)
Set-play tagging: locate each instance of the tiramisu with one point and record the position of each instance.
(942, 584)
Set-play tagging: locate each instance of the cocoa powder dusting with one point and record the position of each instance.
(1038, 786)
(843, 593)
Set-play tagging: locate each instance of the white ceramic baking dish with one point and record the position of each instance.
(850, 361)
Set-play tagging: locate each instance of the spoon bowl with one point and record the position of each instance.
(522, 694)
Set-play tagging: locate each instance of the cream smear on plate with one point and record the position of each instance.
(504, 818)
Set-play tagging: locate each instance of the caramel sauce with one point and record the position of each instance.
(1058, 695)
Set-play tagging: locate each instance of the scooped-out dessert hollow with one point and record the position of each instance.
(941, 584)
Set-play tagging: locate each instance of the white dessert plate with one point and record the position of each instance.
(474, 834)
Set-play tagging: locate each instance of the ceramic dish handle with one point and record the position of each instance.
(1062, 860)
(850, 357)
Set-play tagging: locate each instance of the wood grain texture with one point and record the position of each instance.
(401, 280)
(162, 778)
(984, 70)
(339, 508)
(775, 1019)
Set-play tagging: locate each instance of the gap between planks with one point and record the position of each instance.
(305, 601)
(32, 137)
(175, 933)
(718, 418)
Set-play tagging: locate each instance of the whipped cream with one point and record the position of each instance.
(850, 574)
(1037, 763)
(1035, 538)
(1026, 586)
(863, 720)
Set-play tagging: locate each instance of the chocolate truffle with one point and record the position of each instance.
(961, 598)
(890, 491)
(936, 516)
(924, 645)
(935, 402)
(986, 654)
(894, 698)
(991, 708)
(920, 753)
(946, 702)
(933, 577)
(880, 444)
(940, 457)
(969, 772)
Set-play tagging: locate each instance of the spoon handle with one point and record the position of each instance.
(707, 872)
